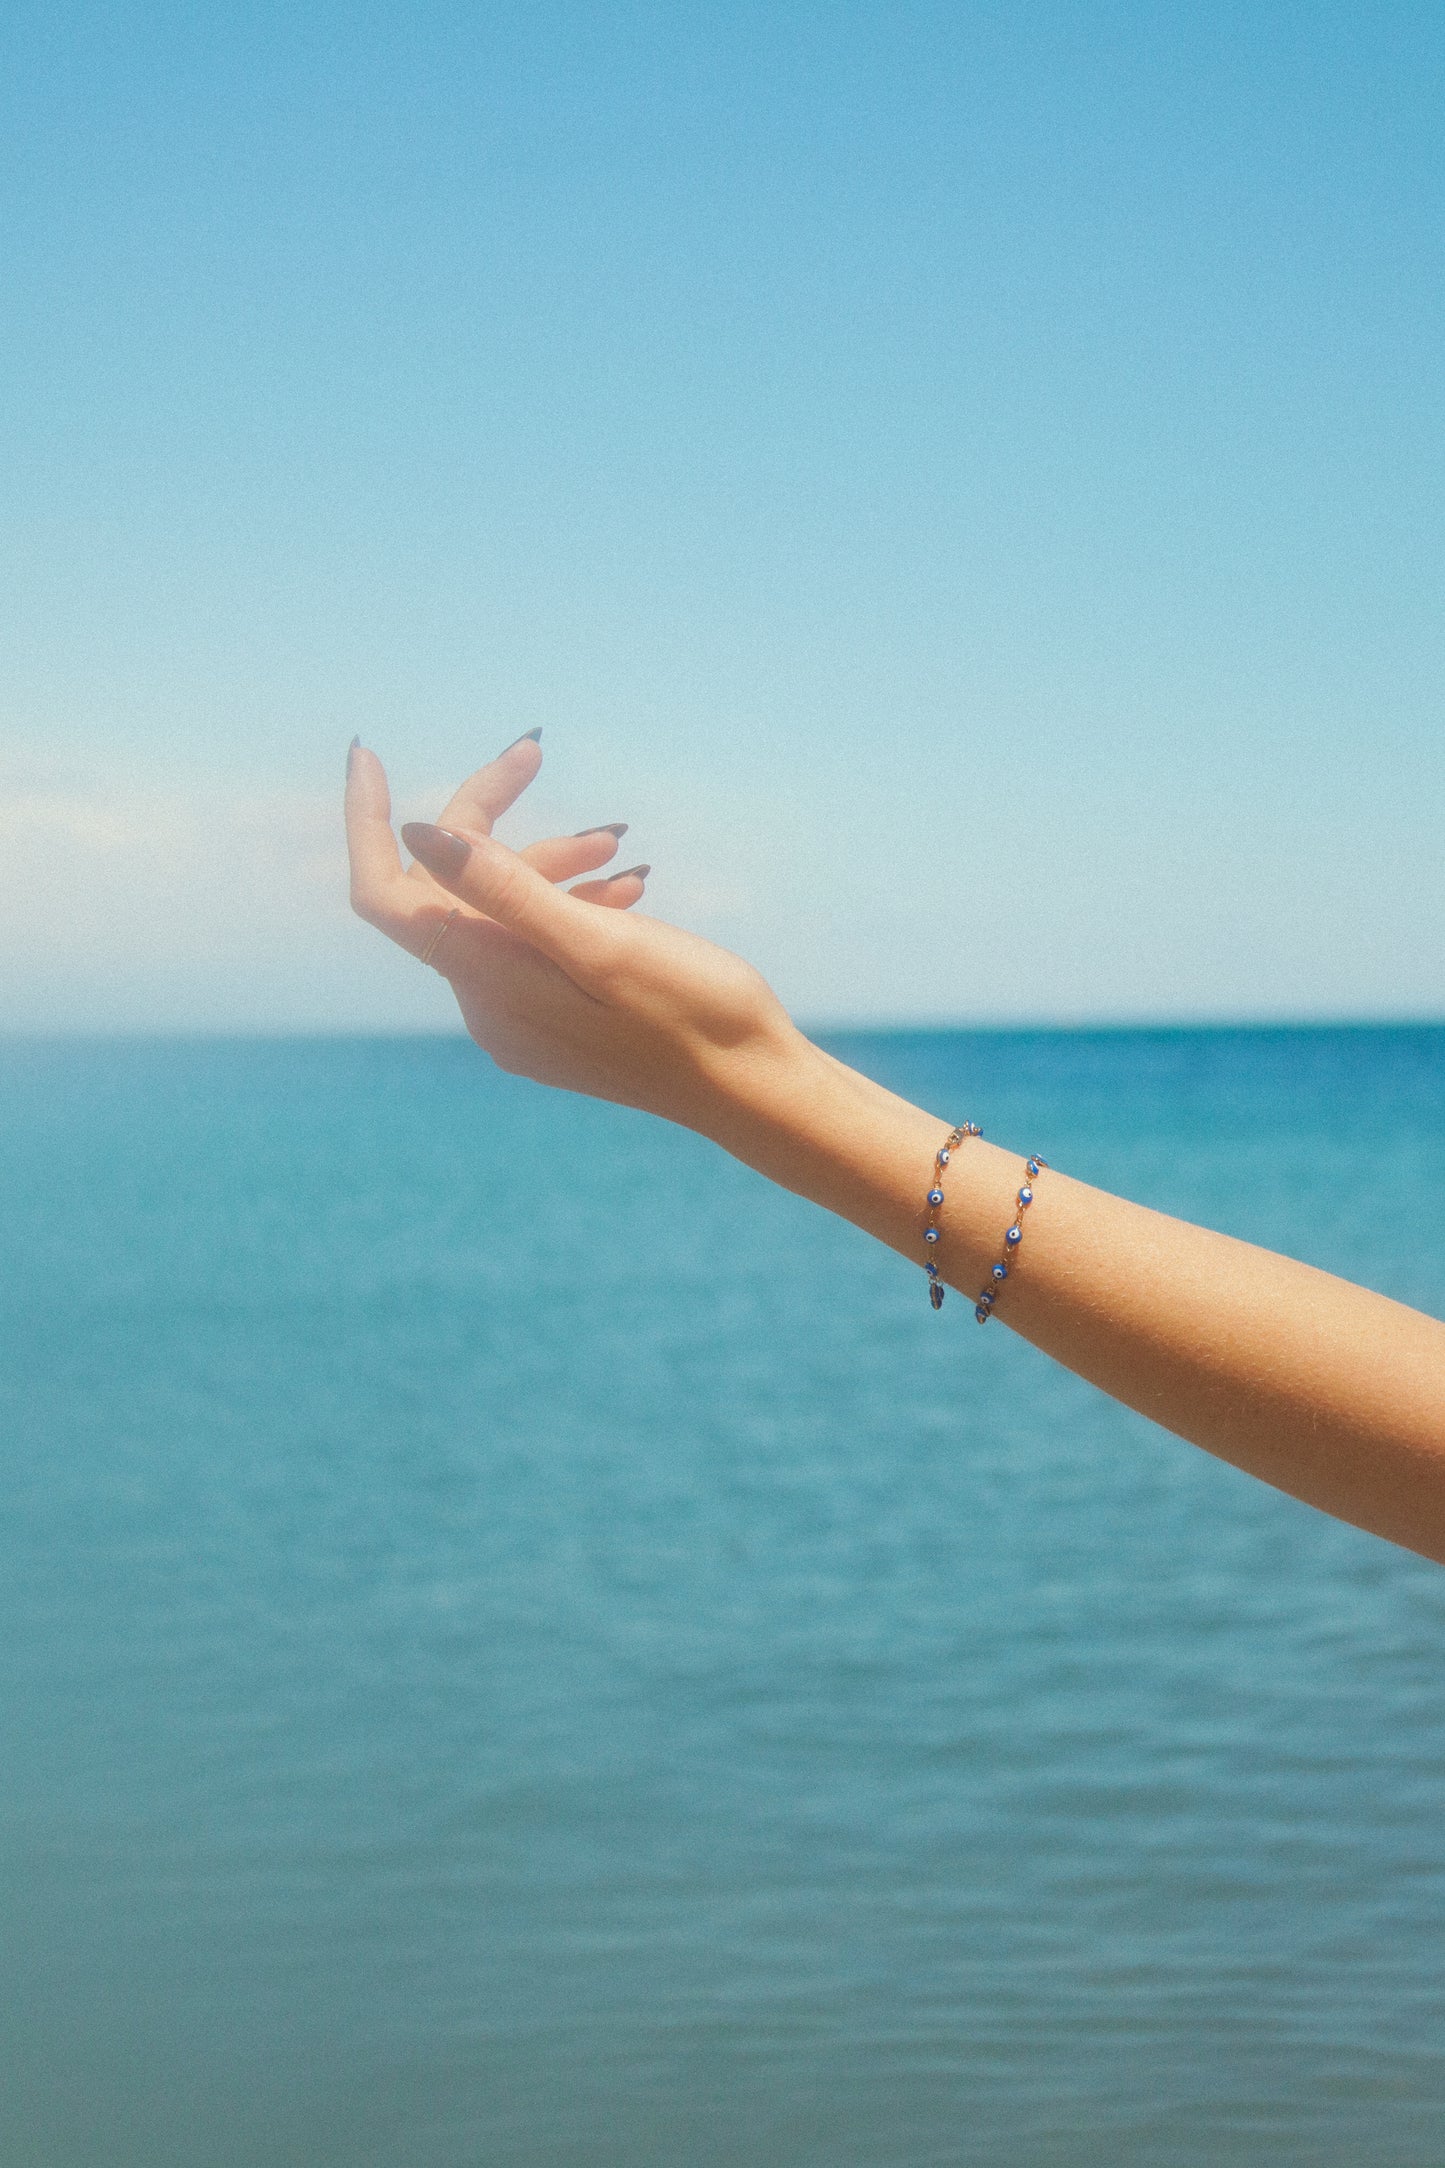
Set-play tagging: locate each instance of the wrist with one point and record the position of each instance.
(807, 1121)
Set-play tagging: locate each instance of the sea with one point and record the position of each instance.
(522, 1646)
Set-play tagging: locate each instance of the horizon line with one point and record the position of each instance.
(870, 1027)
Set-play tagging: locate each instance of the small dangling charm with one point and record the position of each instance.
(933, 1203)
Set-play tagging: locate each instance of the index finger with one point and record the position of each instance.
(371, 848)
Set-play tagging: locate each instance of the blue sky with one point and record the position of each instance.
(967, 483)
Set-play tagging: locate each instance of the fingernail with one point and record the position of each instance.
(606, 828)
(629, 873)
(351, 752)
(437, 849)
(534, 735)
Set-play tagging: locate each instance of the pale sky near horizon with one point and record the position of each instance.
(967, 482)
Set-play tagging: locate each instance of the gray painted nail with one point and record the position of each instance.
(351, 751)
(534, 735)
(604, 828)
(628, 873)
(437, 849)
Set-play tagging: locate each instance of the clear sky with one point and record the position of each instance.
(966, 482)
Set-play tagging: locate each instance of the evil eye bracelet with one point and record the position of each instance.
(983, 1308)
(944, 1154)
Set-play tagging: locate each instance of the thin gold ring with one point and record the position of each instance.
(432, 946)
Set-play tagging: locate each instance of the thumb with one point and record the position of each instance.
(495, 881)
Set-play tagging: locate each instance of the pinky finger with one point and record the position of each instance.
(618, 892)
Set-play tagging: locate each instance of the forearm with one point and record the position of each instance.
(1321, 1388)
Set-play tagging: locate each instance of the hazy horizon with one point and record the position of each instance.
(830, 1028)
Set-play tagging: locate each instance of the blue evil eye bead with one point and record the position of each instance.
(931, 1269)
(1000, 1272)
(1014, 1236)
(944, 1156)
(935, 1196)
(935, 1296)
(1032, 1168)
(981, 1312)
(930, 1234)
(1026, 1198)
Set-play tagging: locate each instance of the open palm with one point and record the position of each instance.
(566, 985)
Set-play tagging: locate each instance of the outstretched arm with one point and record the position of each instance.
(1321, 1388)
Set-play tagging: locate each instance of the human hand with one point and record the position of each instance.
(567, 986)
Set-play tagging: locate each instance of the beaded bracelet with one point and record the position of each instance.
(946, 1151)
(983, 1308)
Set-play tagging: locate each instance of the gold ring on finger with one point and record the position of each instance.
(435, 942)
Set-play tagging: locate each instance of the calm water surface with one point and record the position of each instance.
(520, 1645)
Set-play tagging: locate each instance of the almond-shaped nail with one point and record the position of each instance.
(630, 873)
(604, 828)
(533, 735)
(351, 752)
(437, 849)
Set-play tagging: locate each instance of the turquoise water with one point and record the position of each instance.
(520, 1645)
